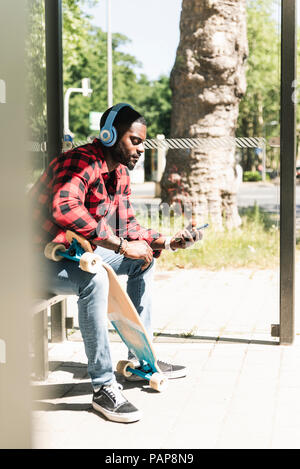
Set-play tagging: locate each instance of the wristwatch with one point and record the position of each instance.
(168, 244)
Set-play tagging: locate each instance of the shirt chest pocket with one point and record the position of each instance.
(103, 209)
(97, 202)
(105, 198)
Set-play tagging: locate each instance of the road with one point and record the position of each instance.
(265, 195)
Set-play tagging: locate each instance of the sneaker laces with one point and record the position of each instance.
(114, 391)
(164, 363)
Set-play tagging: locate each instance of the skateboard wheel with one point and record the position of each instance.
(90, 262)
(122, 366)
(51, 249)
(158, 382)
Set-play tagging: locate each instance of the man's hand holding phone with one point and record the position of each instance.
(187, 237)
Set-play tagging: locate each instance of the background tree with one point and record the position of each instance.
(36, 72)
(207, 81)
(84, 49)
(36, 88)
(261, 104)
(85, 56)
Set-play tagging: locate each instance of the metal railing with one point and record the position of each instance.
(175, 143)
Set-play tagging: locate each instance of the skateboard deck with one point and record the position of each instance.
(121, 311)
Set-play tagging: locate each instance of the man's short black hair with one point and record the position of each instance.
(123, 120)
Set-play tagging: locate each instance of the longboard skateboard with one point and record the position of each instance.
(121, 311)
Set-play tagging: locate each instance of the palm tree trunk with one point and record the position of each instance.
(207, 81)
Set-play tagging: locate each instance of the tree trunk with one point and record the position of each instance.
(207, 81)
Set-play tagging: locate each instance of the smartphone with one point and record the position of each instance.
(193, 232)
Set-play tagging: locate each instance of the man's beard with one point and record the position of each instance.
(119, 157)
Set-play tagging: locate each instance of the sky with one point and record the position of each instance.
(152, 26)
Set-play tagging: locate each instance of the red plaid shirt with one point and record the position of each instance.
(78, 193)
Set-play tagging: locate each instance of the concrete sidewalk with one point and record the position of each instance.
(242, 389)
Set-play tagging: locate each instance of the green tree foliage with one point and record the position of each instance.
(85, 49)
(36, 72)
(36, 105)
(261, 104)
(156, 106)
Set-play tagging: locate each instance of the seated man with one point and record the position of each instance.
(87, 190)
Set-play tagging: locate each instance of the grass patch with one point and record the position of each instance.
(247, 247)
(254, 245)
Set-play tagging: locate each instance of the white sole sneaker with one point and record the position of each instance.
(126, 417)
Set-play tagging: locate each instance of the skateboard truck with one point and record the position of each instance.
(80, 251)
(156, 380)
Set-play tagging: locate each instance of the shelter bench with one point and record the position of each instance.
(55, 307)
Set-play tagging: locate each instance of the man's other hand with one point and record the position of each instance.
(139, 250)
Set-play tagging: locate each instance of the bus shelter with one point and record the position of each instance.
(285, 329)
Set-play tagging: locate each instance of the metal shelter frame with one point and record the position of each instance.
(285, 331)
(54, 76)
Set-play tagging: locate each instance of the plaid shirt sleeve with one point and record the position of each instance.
(73, 175)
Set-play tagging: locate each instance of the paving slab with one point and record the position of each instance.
(242, 389)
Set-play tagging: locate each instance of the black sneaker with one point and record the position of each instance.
(170, 371)
(110, 402)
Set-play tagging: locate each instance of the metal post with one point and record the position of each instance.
(41, 363)
(58, 321)
(53, 17)
(86, 91)
(161, 163)
(287, 170)
(109, 58)
(264, 159)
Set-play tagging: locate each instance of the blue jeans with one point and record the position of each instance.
(65, 277)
